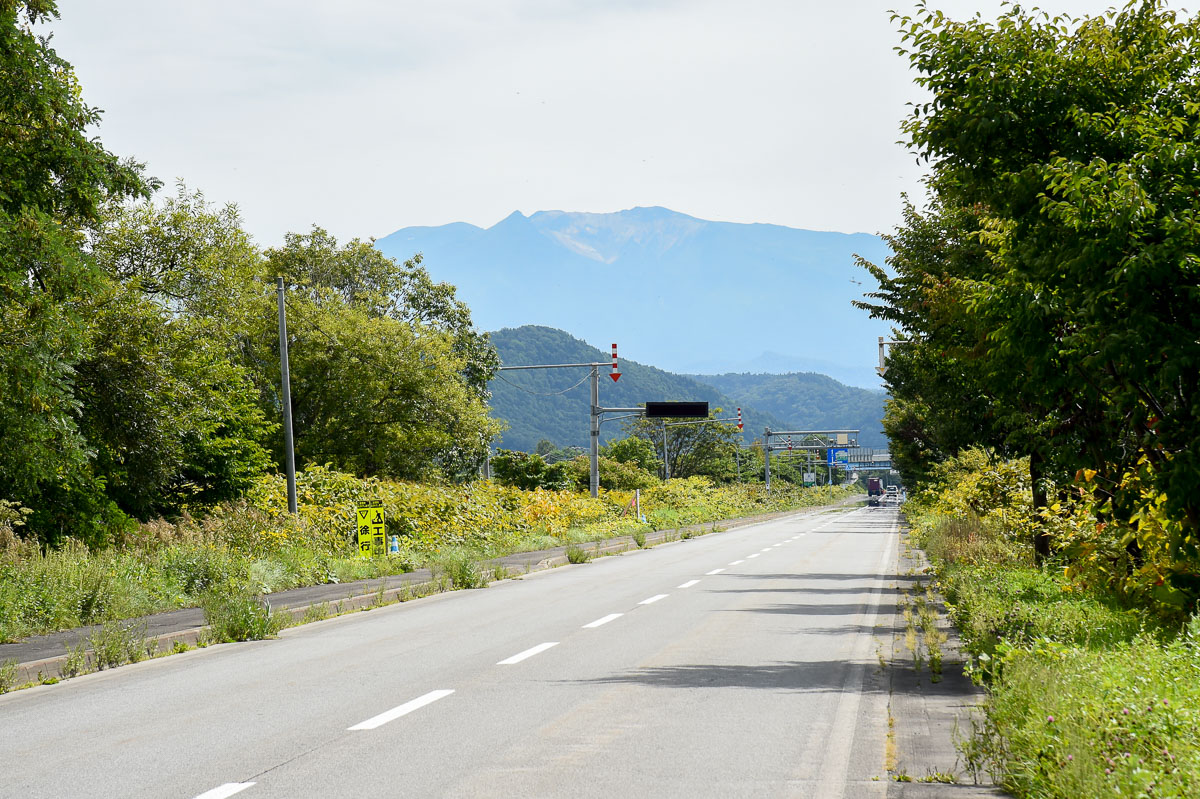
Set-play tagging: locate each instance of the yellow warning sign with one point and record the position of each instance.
(371, 539)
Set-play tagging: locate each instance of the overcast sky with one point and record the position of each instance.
(364, 116)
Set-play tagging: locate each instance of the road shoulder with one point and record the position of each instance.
(931, 699)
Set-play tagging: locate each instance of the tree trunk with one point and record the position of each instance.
(1041, 539)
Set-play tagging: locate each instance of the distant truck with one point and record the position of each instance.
(874, 490)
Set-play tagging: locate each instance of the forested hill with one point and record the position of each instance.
(810, 401)
(553, 403)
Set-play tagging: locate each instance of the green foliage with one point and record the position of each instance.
(116, 644)
(807, 401)
(522, 470)
(8, 676)
(636, 451)
(708, 449)
(553, 403)
(460, 568)
(56, 177)
(257, 547)
(614, 474)
(1071, 722)
(1049, 293)
(388, 376)
(234, 613)
(577, 554)
(1089, 694)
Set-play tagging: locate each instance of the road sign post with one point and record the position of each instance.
(289, 448)
(370, 518)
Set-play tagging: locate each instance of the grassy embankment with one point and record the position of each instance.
(1089, 693)
(253, 547)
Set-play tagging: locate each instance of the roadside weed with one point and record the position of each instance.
(8, 676)
(239, 615)
(117, 643)
(577, 554)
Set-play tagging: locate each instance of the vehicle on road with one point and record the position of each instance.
(874, 490)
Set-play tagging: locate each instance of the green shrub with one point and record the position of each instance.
(234, 613)
(115, 644)
(523, 470)
(1073, 722)
(1022, 605)
(639, 538)
(459, 568)
(8, 676)
(577, 554)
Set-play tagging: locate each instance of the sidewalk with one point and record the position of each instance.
(42, 657)
(928, 717)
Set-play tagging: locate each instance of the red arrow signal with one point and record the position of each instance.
(615, 376)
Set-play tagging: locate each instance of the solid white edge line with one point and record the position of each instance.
(406, 708)
(528, 653)
(689, 583)
(604, 620)
(222, 791)
(654, 598)
(736, 562)
(714, 571)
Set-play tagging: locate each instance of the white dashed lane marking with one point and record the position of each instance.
(604, 620)
(402, 710)
(654, 598)
(223, 791)
(528, 653)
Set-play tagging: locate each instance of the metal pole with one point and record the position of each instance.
(594, 478)
(289, 454)
(666, 455)
(767, 458)
(831, 477)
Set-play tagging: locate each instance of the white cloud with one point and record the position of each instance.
(369, 115)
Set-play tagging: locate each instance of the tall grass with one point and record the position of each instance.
(257, 545)
(1088, 693)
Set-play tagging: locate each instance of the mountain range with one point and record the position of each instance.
(687, 294)
(553, 403)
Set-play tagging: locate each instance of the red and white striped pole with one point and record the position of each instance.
(739, 418)
(616, 372)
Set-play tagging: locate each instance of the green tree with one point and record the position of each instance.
(388, 374)
(167, 405)
(522, 470)
(636, 451)
(1070, 145)
(55, 180)
(708, 448)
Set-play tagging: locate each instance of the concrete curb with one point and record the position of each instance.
(928, 717)
(398, 588)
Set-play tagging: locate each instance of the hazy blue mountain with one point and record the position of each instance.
(553, 403)
(687, 294)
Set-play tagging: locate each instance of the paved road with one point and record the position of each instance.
(743, 663)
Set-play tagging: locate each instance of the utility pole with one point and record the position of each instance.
(666, 458)
(596, 410)
(594, 472)
(289, 453)
(767, 458)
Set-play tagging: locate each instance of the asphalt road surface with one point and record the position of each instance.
(743, 663)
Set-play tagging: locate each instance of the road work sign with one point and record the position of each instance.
(371, 541)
